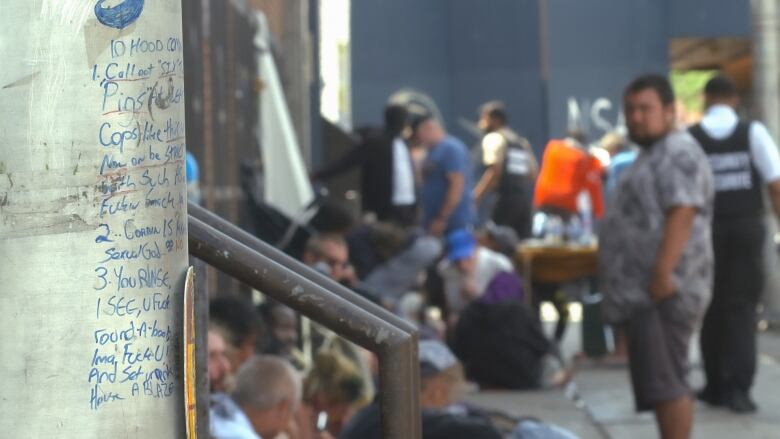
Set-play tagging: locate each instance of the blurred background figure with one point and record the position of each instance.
(442, 385)
(335, 387)
(282, 332)
(219, 366)
(240, 326)
(505, 188)
(267, 396)
(387, 173)
(622, 155)
(567, 171)
(329, 254)
(468, 270)
(744, 161)
(447, 203)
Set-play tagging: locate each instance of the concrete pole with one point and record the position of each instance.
(766, 63)
(766, 70)
(93, 237)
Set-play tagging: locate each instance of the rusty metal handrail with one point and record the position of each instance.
(345, 313)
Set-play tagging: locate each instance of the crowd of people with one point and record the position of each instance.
(436, 242)
(419, 249)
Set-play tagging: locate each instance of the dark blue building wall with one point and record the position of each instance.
(494, 54)
(709, 18)
(595, 48)
(458, 54)
(399, 44)
(464, 52)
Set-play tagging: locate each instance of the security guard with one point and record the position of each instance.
(744, 159)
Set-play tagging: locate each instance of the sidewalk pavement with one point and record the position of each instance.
(603, 407)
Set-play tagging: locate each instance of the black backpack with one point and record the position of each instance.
(501, 345)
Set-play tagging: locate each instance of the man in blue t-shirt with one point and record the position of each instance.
(447, 181)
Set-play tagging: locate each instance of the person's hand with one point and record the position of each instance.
(470, 291)
(323, 435)
(661, 286)
(437, 226)
(350, 277)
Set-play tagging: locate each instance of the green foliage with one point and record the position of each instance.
(689, 86)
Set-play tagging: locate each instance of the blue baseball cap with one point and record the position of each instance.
(461, 244)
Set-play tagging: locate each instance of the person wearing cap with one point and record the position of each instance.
(502, 239)
(468, 269)
(441, 384)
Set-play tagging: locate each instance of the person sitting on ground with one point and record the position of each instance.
(468, 270)
(501, 239)
(329, 254)
(371, 244)
(265, 400)
(219, 366)
(282, 336)
(401, 271)
(335, 387)
(225, 420)
(241, 325)
(502, 346)
(333, 217)
(441, 379)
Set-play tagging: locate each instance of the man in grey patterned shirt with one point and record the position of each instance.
(655, 256)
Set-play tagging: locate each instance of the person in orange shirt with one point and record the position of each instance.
(568, 169)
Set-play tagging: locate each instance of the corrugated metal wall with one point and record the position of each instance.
(221, 84)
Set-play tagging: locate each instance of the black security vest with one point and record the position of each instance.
(515, 181)
(737, 182)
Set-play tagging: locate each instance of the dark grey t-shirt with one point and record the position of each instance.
(672, 172)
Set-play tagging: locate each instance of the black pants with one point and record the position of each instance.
(515, 213)
(404, 216)
(552, 292)
(728, 336)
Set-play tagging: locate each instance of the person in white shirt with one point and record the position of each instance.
(744, 159)
(468, 269)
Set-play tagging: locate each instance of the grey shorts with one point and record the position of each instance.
(658, 341)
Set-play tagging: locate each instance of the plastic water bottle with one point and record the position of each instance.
(586, 213)
(539, 225)
(574, 229)
(554, 233)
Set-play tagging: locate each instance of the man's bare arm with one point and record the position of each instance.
(488, 181)
(774, 197)
(456, 183)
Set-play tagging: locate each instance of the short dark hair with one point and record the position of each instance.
(418, 120)
(396, 119)
(655, 82)
(720, 87)
(237, 316)
(496, 110)
(333, 216)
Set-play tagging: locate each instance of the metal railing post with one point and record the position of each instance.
(344, 313)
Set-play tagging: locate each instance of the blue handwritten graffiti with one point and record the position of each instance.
(121, 15)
